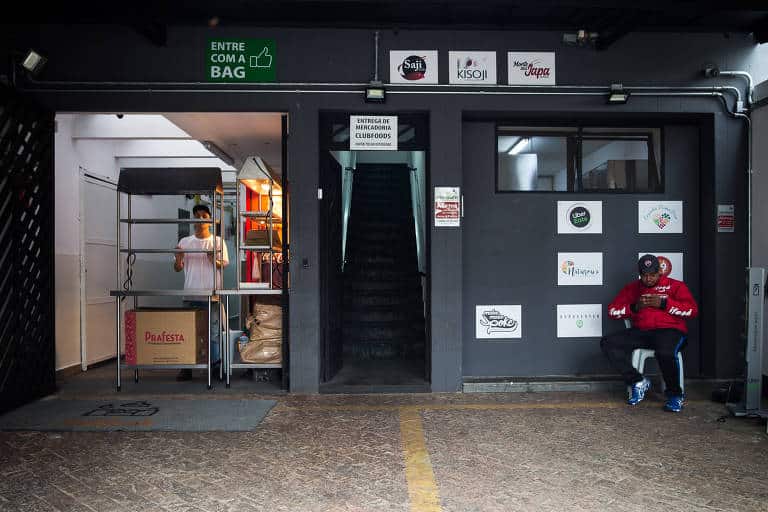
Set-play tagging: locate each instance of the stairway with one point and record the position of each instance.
(383, 309)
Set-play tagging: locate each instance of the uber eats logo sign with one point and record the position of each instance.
(240, 60)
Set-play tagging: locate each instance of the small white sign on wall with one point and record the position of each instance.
(373, 133)
(660, 217)
(498, 322)
(472, 68)
(579, 320)
(671, 263)
(531, 68)
(579, 268)
(579, 217)
(413, 67)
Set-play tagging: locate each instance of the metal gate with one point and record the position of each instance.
(27, 333)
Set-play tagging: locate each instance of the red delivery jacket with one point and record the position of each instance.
(679, 305)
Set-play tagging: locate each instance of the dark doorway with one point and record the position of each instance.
(373, 268)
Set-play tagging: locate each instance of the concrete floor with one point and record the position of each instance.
(416, 452)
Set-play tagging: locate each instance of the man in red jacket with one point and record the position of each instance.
(657, 307)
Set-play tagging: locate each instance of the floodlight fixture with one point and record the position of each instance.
(375, 93)
(519, 145)
(33, 62)
(617, 96)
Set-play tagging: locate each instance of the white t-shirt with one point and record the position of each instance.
(198, 269)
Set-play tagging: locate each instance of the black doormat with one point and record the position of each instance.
(138, 415)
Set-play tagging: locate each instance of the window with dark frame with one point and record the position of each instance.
(579, 159)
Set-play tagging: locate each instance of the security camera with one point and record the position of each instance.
(711, 72)
(119, 116)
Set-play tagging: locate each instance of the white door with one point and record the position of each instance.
(97, 268)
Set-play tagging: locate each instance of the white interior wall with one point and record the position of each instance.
(100, 144)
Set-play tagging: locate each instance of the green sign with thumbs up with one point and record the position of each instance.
(241, 60)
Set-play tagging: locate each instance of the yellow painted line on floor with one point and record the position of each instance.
(422, 487)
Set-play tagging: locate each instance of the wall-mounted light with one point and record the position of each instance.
(617, 96)
(33, 62)
(519, 145)
(216, 150)
(375, 93)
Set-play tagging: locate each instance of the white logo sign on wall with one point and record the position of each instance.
(472, 67)
(531, 68)
(660, 217)
(579, 217)
(671, 263)
(579, 320)
(413, 66)
(498, 322)
(373, 133)
(579, 268)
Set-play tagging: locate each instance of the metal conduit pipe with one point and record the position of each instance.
(750, 83)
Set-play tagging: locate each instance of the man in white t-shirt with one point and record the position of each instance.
(198, 274)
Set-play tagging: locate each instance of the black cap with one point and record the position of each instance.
(648, 263)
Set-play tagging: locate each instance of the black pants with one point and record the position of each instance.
(666, 342)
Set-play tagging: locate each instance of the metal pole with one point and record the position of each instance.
(117, 299)
(209, 342)
(227, 345)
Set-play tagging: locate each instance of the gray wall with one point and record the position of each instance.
(111, 53)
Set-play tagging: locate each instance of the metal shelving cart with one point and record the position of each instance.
(164, 182)
(260, 236)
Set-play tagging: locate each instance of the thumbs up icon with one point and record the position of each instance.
(262, 60)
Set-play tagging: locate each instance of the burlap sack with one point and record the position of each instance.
(267, 316)
(264, 346)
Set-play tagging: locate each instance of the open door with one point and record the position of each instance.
(27, 330)
(330, 265)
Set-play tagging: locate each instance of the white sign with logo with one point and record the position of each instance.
(579, 320)
(579, 217)
(447, 206)
(373, 133)
(472, 68)
(498, 322)
(726, 218)
(531, 68)
(659, 216)
(413, 66)
(579, 268)
(671, 263)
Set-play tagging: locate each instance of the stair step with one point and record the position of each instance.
(382, 298)
(379, 351)
(401, 315)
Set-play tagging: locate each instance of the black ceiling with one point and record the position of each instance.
(611, 19)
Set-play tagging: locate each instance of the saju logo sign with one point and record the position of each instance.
(413, 66)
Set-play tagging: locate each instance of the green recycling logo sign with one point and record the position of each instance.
(240, 60)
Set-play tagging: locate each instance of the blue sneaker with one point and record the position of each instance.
(638, 390)
(674, 403)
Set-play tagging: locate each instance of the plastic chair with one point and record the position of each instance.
(640, 355)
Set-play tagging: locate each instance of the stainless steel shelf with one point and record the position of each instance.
(161, 293)
(169, 221)
(254, 365)
(262, 215)
(250, 291)
(166, 251)
(264, 248)
(200, 366)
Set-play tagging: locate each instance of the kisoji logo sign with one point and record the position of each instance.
(412, 66)
(579, 217)
(472, 67)
(580, 268)
(531, 68)
(659, 216)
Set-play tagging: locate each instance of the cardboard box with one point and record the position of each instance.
(166, 336)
